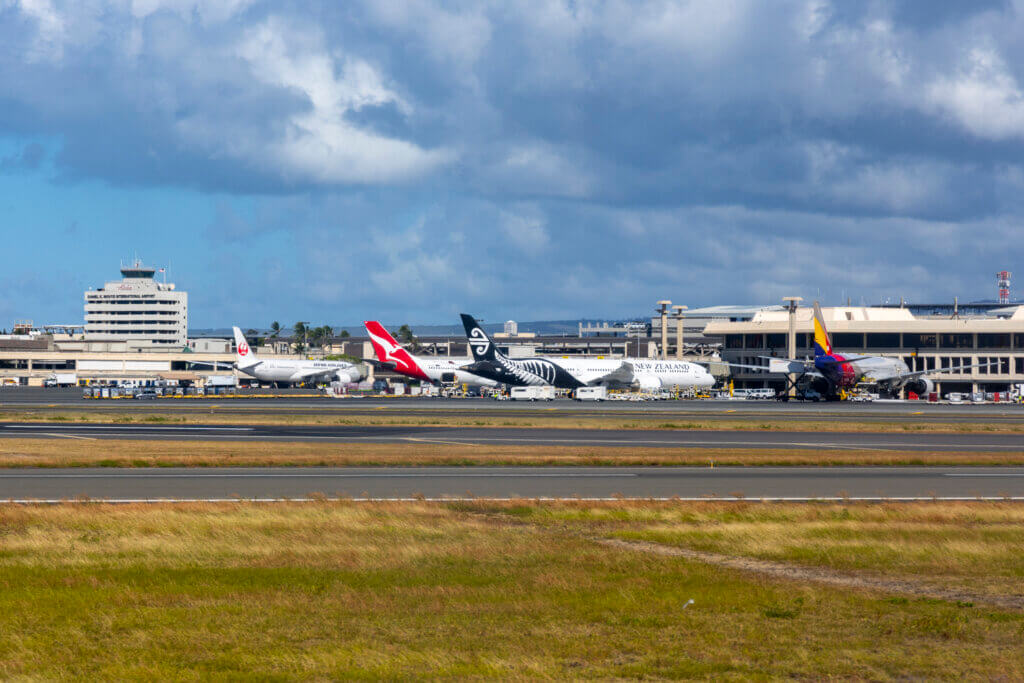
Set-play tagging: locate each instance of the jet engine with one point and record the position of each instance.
(648, 382)
(821, 385)
(350, 375)
(922, 386)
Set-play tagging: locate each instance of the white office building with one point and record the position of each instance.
(137, 310)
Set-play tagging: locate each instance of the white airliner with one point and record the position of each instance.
(430, 369)
(572, 373)
(291, 371)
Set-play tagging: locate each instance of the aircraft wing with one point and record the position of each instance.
(796, 365)
(310, 374)
(936, 371)
(621, 375)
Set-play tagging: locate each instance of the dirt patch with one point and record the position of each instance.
(779, 570)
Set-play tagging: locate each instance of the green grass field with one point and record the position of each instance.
(344, 590)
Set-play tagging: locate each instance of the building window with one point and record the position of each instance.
(848, 340)
(734, 341)
(753, 341)
(993, 341)
(957, 341)
(883, 340)
(776, 341)
(919, 341)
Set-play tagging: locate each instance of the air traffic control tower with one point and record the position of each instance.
(137, 310)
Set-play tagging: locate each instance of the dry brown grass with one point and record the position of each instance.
(343, 590)
(960, 545)
(123, 453)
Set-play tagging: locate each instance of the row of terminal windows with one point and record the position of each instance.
(132, 322)
(954, 365)
(881, 340)
(100, 330)
(120, 301)
(133, 312)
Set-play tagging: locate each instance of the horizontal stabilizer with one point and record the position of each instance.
(785, 366)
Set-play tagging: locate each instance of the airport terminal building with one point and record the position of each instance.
(137, 311)
(945, 343)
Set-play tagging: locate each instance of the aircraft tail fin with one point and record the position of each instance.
(822, 339)
(244, 355)
(479, 343)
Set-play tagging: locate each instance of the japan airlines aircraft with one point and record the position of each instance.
(429, 369)
(831, 374)
(572, 373)
(292, 370)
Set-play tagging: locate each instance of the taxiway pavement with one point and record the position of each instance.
(528, 437)
(790, 483)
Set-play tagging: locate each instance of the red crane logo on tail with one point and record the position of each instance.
(243, 349)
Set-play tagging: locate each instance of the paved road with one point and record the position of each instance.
(511, 482)
(512, 436)
(56, 400)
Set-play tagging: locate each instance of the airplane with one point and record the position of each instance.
(391, 355)
(832, 375)
(572, 373)
(291, 371)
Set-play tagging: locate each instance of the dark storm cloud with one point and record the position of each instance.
(629, 147)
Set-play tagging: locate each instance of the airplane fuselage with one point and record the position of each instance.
(572, 373)
(444, 370)
(296, 370)
(872, 369)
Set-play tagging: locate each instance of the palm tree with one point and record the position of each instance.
(405, 336)
(275, 330)
(301, 333)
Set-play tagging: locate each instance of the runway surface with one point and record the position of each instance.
(513, 436)
(796, 483)
(53, 401)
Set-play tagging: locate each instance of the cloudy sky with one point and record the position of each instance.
(409, 160)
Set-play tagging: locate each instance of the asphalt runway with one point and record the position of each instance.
(53, 401)
(526, 437)
(770, 483)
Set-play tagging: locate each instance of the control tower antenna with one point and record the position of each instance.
(1003, 281)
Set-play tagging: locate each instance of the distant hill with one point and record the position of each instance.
(539, 327)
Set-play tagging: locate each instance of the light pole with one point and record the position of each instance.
(663, 310)
(679, 330)
(791, 303)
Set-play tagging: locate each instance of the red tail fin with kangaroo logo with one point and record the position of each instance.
(390, 351)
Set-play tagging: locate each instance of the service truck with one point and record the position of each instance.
(591, 394)
(533, 393)
(61, 379)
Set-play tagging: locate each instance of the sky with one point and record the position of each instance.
(406, 161)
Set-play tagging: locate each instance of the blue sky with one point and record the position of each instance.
(410, 160)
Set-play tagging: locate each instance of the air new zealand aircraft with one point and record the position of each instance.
(572, 373)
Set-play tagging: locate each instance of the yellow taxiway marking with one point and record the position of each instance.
(919, 412)
(730, 411)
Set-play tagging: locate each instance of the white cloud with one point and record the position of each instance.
(526, 230)
(319, 144)
(983, 97)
